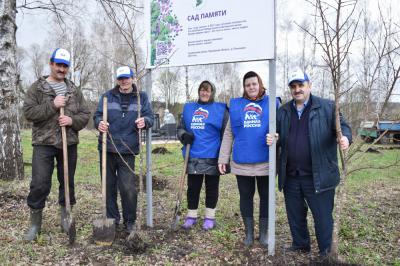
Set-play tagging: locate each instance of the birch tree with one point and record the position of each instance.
(11, 162)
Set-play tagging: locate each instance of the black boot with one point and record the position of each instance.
(36, 225)
(263, 232)
(249, 230)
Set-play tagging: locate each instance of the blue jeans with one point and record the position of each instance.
(299, 195)
(120, 177)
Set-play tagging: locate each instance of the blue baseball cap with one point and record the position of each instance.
(124, 72)
(62, 56)
(298, 75)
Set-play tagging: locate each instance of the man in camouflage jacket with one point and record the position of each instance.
(42, 104)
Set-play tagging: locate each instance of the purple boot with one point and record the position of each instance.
(208, 224)
(189, 222)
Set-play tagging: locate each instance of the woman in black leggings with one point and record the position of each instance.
(202, 126)
(245, 139)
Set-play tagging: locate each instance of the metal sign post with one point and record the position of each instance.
(149, 184)
(272, 148)
(272, 158)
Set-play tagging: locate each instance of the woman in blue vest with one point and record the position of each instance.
(245, 138)
(202, 126)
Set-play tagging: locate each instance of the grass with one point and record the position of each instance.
(368, 230)
(369, 233)
(372, 175)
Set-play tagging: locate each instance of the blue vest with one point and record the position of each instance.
(249, 123)
(205, 122)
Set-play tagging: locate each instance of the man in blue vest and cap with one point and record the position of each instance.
(308, 166)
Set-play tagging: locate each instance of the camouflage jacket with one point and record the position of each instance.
(39, 109)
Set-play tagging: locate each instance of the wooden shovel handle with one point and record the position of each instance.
(183, 176)
(104, 159)
(65, 163)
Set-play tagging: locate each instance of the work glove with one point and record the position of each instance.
(187, 138)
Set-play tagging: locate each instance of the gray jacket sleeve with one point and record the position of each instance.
(226, 145)
(224, 122)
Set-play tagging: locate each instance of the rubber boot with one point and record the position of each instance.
(130, 226)
(263, 232)
(36, 225)
(249, 231)
(189, 223)
(209, 219)
(190, 220)
(208, 224)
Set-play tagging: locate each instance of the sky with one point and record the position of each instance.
(32, 29)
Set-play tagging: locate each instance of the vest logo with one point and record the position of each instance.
(198, 118)
(252, 116)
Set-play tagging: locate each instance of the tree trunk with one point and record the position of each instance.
(11, 162)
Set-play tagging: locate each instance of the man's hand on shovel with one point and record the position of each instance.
(103, 127)
(140, 123)
(64, 121)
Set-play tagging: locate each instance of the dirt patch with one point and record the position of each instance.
(7, 197)
(157, 183)
(137, 243)
(160, 150)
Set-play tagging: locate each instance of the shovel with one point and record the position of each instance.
(177, 212)
(69, 220)
(137, 239)
(104, 228)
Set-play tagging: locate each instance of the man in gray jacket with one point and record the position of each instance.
(42, 104)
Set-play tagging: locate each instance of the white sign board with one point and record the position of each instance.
(191, 32)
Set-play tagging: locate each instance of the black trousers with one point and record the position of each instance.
(300, 194)
(195, 183)
(120, 177)
(247, 187)
(42, 171)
